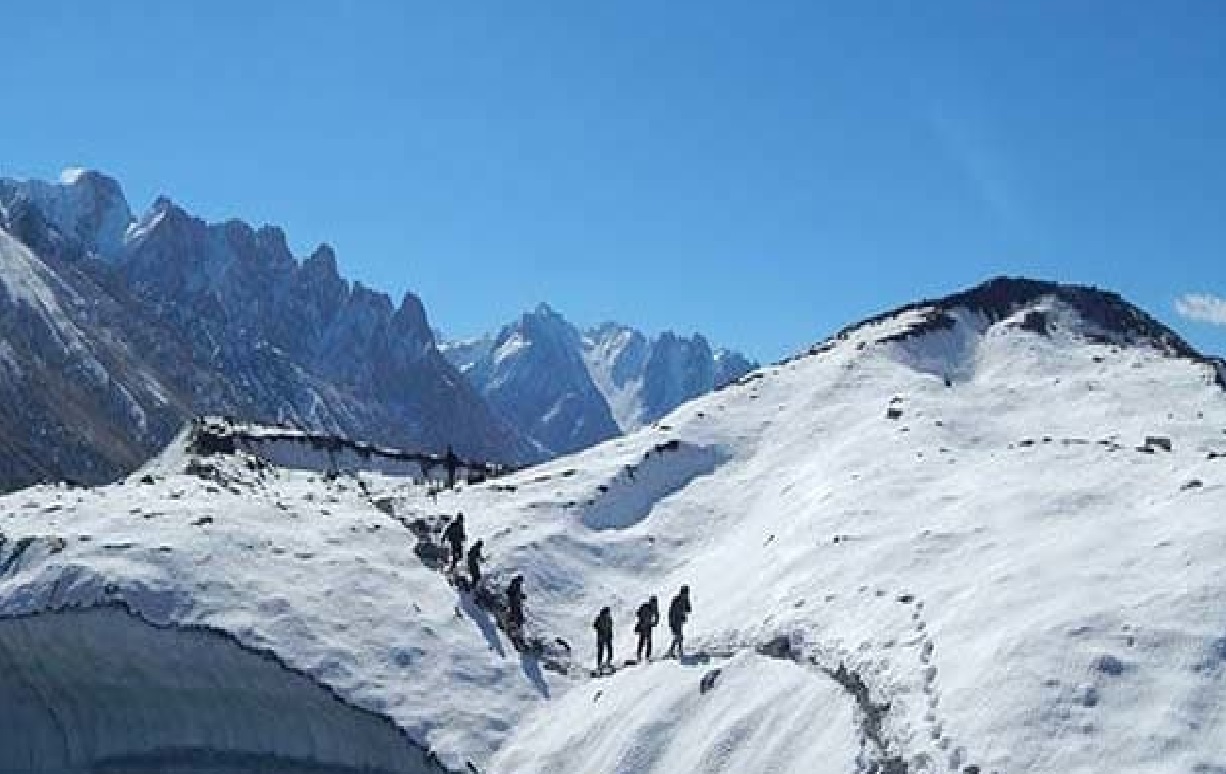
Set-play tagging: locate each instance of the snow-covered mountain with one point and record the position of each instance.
(117, 329)
(978, 534)
(568, 389)
(533, 373)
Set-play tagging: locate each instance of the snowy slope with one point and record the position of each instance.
(939, 541)
(76, 401)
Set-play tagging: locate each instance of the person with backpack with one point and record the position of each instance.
(648, 616)
(474, 562)
(454, 535)
(604, 639)
(678, 611)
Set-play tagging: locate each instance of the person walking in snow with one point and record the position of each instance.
(474, 562)
(515, 609)
(604, 639)
(648, 616)
(678, 611)
(454, 535)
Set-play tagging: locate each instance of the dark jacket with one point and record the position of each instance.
(679, 610)
(648, 617)
(604, 625)
(515, 598)
(454, 534)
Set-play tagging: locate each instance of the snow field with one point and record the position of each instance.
(758, 714)
(971, 531)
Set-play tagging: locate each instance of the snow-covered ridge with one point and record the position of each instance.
(297, 449)
(1037, 306)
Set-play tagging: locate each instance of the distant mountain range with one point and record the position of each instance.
(567, 389)
(116, 328)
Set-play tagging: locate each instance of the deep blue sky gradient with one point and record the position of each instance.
(761, 172)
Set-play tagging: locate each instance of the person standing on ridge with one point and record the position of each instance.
(604, 639)
(648, 616)
(678, 611)
(453, 463)
(454, 535)
(474, 562)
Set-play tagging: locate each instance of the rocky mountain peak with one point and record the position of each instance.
(83, 205)
(410, 321)
(322, 262)
(1109, 316)
(591, 384)
(186, 316)
(1096, 314)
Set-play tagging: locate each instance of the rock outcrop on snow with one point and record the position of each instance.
(118, 329)
(1036, 306)
(331, 455)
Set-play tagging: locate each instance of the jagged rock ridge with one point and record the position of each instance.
(119, 329)
(567, 389)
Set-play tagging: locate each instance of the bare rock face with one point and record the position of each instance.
(120, 329)
(677, 370)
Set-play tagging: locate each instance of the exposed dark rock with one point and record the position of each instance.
(779, 647)
(1108, 664)
(1118, 321)
(1158, 442)
(1034, 322)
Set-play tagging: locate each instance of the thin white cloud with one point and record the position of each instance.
(1203, 307)
(969, 146)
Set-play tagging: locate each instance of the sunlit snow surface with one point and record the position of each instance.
(1000, 564)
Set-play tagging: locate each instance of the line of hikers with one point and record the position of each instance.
(647, 617)
(455, 537)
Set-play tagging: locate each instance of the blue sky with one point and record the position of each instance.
(761, 172)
